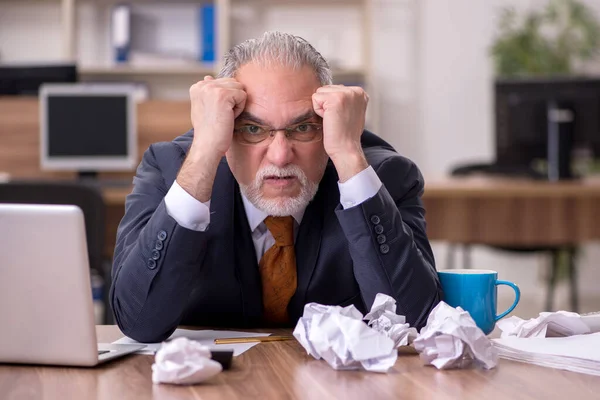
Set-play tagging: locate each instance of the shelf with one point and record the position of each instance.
(134, 2)
(299, 3)
(128, 70)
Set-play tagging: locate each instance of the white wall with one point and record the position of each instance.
(19, 42)
(395, 64)
(454, 83)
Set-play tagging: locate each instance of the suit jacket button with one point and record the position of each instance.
(162, 235)
(381, 239)
(375, 219)
(384, 249)
(378, 229)
(155, 255)
(151, 264)
(159, 245)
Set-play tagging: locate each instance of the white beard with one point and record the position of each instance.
(283, 206)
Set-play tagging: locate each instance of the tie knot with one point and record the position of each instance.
(282, 229)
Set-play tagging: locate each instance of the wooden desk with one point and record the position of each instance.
(483, 211)
(513, 212)
(283, 370)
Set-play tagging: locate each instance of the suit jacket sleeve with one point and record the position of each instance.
(156, 260)
(388, 243)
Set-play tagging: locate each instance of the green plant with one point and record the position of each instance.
(547, 42)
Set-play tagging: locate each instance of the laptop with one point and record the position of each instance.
(46, 308)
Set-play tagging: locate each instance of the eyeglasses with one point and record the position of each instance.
(306, 132)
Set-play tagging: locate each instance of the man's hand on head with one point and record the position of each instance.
(343, 109)
(215, 104)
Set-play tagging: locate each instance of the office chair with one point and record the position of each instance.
(554, 251)
(87, 197)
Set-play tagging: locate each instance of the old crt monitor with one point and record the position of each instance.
(545, 120)
(26, 79)
(88, 128)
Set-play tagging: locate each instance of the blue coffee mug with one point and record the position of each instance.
(474, 290)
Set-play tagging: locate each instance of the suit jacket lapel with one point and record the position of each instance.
(229, 224)
(245, 261)
(308, 241)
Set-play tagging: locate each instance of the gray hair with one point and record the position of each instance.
(279, 47)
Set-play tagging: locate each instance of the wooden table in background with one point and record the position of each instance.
(488, 211)
(513, 212)
(283, 370)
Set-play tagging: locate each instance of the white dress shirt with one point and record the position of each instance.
(192, 214)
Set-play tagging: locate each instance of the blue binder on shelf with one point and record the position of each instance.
(121, 32)
(207, 32)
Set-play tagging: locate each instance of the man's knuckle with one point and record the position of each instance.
(221, 94)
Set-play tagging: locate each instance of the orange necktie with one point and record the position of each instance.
(278, 270)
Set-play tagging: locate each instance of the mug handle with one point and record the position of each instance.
(517, 297)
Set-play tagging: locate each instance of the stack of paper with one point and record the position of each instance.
(580, 353)
(205, 337)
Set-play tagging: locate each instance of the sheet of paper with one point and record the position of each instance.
(579, 353)
(205, 337)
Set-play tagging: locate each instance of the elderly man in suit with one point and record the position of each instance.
(276, 198)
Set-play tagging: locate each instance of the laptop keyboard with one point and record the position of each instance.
(103, 351)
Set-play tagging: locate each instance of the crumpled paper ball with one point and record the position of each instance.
(547, 324)
(451, 339)
(383, 318)
(340, 337)
(183, 362)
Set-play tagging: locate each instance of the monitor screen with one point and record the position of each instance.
(88, 128)
(522, 116)
(27, 79)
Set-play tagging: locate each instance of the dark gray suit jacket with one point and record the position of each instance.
(165, 275)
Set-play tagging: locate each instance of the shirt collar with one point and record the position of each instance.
(256, 216)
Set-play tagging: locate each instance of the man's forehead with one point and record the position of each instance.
(258, 79)
(281, 119)
(277, 94)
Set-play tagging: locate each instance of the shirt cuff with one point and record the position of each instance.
(359, 188)
(186, 210)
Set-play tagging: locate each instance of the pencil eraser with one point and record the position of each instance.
(223, 357)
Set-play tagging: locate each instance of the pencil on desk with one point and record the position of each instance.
(252, 339)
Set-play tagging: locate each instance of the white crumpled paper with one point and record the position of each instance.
(547, 324)
(339, 336)
(383, 318)
(183, 362)
(451, 339)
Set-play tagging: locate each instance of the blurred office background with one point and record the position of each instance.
(427, 65)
